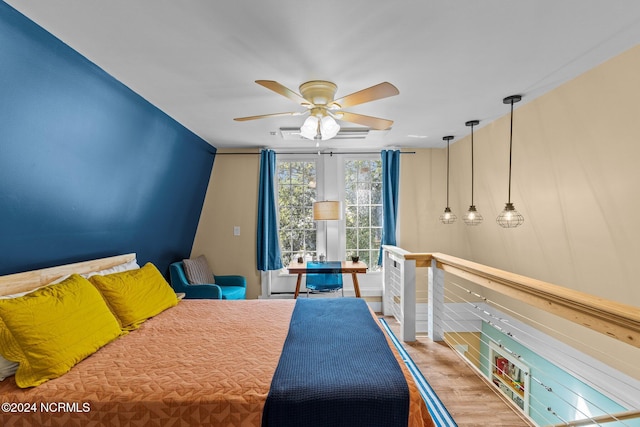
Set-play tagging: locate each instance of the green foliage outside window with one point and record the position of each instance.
(296, 194)
(363, 210)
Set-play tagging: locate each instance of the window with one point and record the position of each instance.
(296, 194)
(357, 181)
(363, 210)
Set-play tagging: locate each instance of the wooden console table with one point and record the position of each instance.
(346, 267)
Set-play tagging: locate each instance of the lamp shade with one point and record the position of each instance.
(327, 210)
(328, 128)
(309, 128)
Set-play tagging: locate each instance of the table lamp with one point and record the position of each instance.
(328, 210)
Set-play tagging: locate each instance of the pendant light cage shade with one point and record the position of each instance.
(510, 217)
(472, 216)
(447, 216)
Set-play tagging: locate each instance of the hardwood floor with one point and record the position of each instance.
(467, 397)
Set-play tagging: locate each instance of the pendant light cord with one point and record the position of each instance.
(447, 173)
(472, 165)
(510, 151)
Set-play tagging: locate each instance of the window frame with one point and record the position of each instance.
(374, 268)
(330, 186)
(319, 186)
(342, 159)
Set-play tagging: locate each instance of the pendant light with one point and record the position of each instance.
(472, 216)
(448, 217)
(510, 217)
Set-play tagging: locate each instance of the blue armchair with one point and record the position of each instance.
(226, 287)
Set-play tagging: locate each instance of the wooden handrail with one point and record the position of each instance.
(421, 259)
(617, 320)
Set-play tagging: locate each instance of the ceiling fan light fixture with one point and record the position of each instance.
(329, 128)
(309, 128)
(318, 97)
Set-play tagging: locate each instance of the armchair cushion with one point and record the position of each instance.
(198, 271)
(233, 287)
(233, 292)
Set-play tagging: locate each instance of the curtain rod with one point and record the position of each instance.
(330, 153)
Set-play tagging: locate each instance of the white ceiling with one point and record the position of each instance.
(452, 61)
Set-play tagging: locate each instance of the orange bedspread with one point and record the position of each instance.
(203, 362)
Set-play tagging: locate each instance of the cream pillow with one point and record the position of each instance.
(129, 265)
(21, 294)
(7, 368)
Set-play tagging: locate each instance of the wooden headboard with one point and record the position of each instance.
(28, 280)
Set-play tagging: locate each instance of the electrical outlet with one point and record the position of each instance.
(236, 230)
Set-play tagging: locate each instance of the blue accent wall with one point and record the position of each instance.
(88, 168)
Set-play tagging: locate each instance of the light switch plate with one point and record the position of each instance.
(236, 230)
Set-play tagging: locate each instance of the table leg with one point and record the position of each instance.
(297, 286)
(356, 286)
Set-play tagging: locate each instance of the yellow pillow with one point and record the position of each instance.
(50, 330)
(136, 295)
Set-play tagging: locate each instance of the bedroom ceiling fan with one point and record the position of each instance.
(317, 96)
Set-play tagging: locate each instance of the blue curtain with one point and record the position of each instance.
(268, 246)
(390, 189)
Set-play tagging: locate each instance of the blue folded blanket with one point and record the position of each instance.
(336, 369)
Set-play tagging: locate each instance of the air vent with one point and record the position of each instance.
(293, 134)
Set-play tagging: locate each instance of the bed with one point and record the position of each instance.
(200, 362)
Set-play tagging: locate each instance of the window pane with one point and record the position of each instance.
(363, 199)
(352, 240)
(376, 193)
(350, 193)
(376, 216)
(351, 213)
(376, 236)
(310, 240)
(364, 237)
(285, 239)
(296, 194)
(364, 193)
(363, 216)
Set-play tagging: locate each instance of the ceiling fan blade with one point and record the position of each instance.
(372, 122)
(263, 116)
(379, 91)
(284, 91)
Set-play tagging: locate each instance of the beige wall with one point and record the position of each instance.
(575, 175)
(231, 200)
